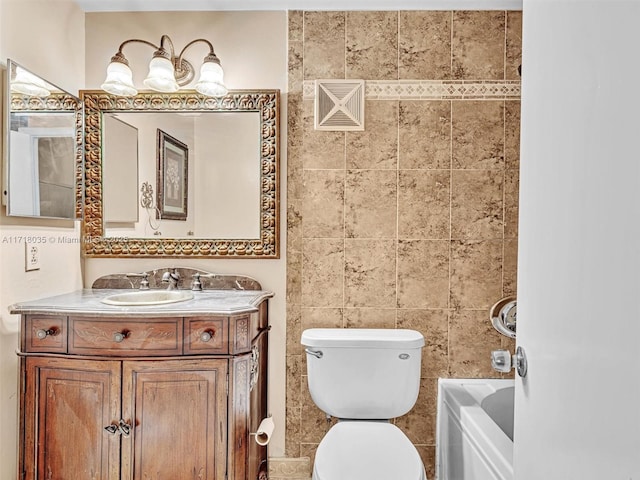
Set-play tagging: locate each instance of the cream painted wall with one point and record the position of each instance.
(252, 47)
(56, 53)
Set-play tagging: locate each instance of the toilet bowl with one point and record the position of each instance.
(353, 450)
(365, 377)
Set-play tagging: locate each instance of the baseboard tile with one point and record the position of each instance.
(281, 468)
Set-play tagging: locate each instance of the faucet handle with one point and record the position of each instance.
(196, 284)
(144, 283)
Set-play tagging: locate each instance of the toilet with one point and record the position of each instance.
(364, 378)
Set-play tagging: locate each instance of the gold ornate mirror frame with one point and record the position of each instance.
(265, 102)
(58, 102)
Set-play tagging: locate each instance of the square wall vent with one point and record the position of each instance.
(339, 105)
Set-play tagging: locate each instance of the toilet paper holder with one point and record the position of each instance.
(262, 435)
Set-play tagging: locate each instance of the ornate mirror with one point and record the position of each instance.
(182, 174)
(44, 148)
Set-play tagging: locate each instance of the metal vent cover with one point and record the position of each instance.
(339, 105)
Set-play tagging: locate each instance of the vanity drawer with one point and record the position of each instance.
(125, 336)
(206, 335)
(45, 334)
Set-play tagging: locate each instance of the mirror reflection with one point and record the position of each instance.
(44, 154)
(210, 187)
(182, 174)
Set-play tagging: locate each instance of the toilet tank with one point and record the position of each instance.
(359, 373)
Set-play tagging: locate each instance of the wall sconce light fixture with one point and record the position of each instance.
(167, 72)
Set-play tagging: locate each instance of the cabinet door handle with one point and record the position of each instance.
(125, 428)
(119, 337)
(207, 335)
(42, 334)
(111, 429)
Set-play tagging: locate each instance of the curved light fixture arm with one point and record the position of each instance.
(182, 64)
(119, 56)
(168, 39)
(211, 52)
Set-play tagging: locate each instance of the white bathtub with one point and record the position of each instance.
(474, 439)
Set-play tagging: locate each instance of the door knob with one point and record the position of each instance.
(502, 361)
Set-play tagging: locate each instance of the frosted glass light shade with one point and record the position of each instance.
(119, 80)
(161, 77)
(211, 81)
(29, 84)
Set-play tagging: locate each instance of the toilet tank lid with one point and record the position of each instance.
(362, 338)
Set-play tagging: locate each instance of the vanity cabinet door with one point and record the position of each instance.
(67, 405)
(177, 409)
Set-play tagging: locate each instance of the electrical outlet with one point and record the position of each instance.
(31, 257)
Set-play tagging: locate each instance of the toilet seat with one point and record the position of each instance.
(368, 450)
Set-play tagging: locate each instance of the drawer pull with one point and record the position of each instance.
(42, 334)
(119, 337)
(207, 335)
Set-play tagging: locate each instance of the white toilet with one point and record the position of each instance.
(364, 377)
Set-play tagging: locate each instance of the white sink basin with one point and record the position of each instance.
(148, 297)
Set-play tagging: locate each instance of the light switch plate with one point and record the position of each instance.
(31, 257)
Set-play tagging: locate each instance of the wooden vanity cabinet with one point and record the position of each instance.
(167, 398)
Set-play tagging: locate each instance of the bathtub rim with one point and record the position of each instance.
(463, 404)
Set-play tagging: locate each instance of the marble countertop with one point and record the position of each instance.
(88, 302)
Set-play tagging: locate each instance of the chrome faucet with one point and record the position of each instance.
(173, 278)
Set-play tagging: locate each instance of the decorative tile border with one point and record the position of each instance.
(282, 468)
(432, 89)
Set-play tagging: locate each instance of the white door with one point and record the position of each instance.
(578, 408)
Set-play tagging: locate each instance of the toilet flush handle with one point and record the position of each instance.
(315, 353)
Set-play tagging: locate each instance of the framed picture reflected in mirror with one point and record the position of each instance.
(172, 177)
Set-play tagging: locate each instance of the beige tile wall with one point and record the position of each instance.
(413, 222)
